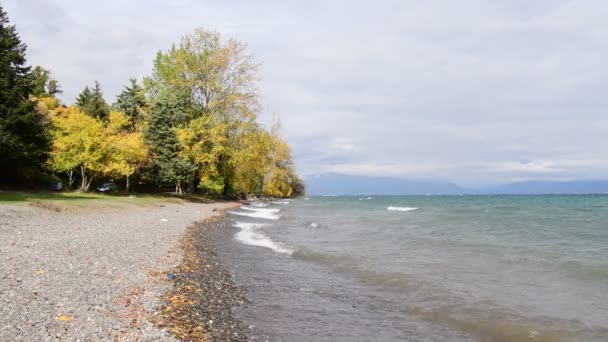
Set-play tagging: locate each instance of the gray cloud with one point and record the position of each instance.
(468, 91)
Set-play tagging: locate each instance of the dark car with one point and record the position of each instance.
(107, 188)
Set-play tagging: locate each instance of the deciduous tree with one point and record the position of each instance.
(78, 144)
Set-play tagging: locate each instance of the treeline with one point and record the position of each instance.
(191, 126)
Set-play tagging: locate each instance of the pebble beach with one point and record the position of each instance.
(83, 275)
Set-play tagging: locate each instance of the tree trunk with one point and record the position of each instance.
(127, 187)
(70, 179)
(89, 183)
(83, 178)
(178, 187)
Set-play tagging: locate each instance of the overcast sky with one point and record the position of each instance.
(474, 92)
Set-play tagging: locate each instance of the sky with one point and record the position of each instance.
(472, 92)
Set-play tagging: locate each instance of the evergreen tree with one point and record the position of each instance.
(97, 107)
(91, 102)
(131, 102)
(82, 100)
(167, 164)
(24, 141)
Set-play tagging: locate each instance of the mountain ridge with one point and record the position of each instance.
(341, 184)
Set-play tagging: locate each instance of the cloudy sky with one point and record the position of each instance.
(474, 92)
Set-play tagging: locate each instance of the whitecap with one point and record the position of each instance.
(314, 225)
(257, 214)
(401, 208)
(262, 210)
(281, 202)
(250, 235)
(258, 204)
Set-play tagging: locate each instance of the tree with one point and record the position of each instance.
(83, 99)
(167, 164)
(251, 160)
(43, 84)
(215, 80)
(91, 102)
(131, 102)
(204, 144)
(215, 75)
(125, 151)
(78, 144)
(280, 179)
(24, 140)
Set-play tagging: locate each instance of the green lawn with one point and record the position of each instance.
(67, 200)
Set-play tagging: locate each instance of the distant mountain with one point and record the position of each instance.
(550, 187)
(338, 184)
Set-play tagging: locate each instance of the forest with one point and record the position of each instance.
(190, 126)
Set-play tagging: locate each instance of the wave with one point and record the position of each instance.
(257, 214)
(257, 204)
(281, 202)
(402, 208)
(262, 210)
(250, 235)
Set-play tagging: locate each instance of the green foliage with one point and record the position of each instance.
(132, 102)
(193, 126)
(82, 100)
(167, 164)
(24, 141)
(43, 84)
(91, 102)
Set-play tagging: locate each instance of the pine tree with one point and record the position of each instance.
(167, 164)
(97, 107)
(131, 102)
(91, 102)
(24, 141)
(83, 98)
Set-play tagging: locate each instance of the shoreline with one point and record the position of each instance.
(199, 306)
(91, 274)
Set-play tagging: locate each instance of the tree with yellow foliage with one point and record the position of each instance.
(78, 143)
(125, 151)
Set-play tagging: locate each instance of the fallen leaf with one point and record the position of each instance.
(64, 318)
(40, 272)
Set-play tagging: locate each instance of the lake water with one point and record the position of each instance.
(423, 268)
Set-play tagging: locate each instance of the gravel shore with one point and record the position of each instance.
(199, 306)
(90, 275)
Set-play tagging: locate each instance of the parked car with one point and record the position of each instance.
(107, 188)
(55, 186)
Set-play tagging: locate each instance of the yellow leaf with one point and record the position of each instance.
(64, 318)
(40, 272)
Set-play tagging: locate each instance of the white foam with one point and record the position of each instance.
(258, 204)
(401, 208)
(314, 225)
(250, 235)
(281, 202)
(261, 210)
(257, 214)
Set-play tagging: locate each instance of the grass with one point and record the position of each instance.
(60, 201)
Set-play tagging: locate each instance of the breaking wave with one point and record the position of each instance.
(250, 235)
(257, 214)
(261, 210)
(257, 204)
(401, 208)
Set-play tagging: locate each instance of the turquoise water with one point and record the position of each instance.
(434, 268)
